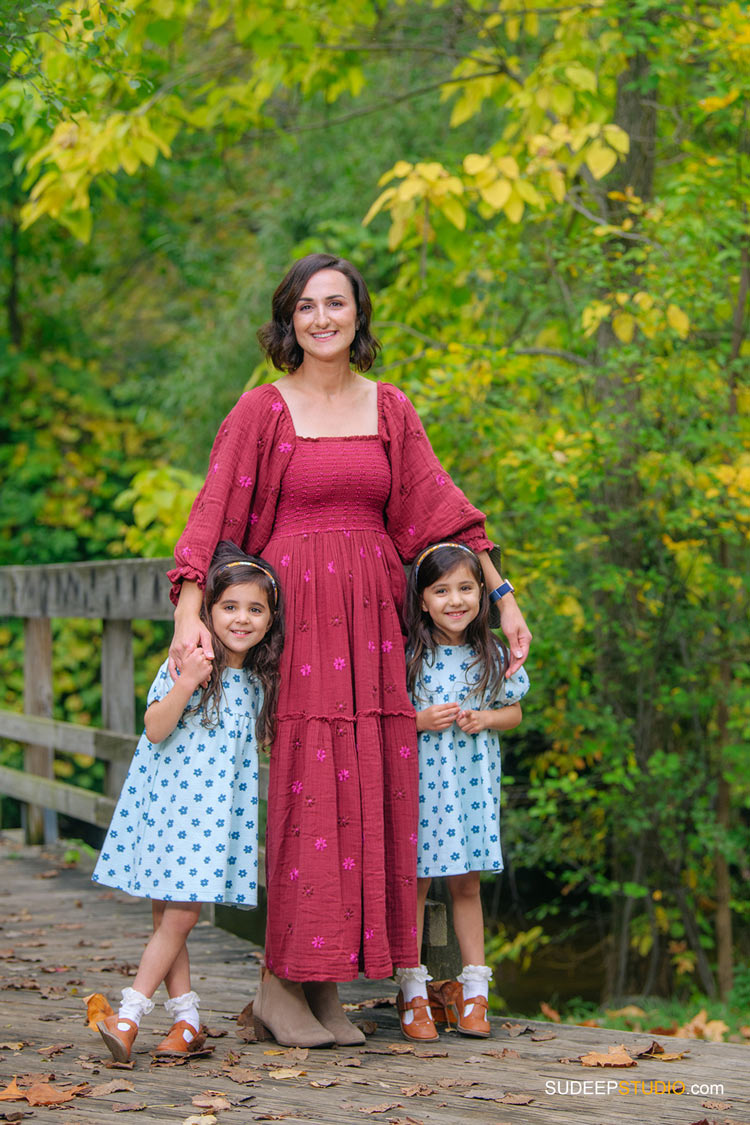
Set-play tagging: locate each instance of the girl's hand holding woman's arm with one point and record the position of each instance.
(164, 714)
(189, 631)
(501, 718)
(439, 716)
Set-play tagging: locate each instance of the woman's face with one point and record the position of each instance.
(325, 316)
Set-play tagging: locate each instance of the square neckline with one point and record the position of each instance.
(377, 436)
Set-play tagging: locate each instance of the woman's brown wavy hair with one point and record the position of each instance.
(277, 337)
(264, 658)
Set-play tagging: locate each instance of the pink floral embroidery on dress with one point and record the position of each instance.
(405, 751)
(343, 775)
(386, 646)
(331, 567)
(413, 931)
(320, 754)
(277, 406)
(412, 530)
(307, 891)
(321, 844)
(318, 942)
(412, 837)
(187, 552)
(294, 874)
(285, 447)
(372, 646)
(285, 560)
(348, 914)
(348, 864)
(440, 478)
(307, 575)
(245, 482)
(254, 517)
(339, 663)
(354, 958)
(305, 670)
(296, 787)
(362, 553)
(369, 933)
(215, 467)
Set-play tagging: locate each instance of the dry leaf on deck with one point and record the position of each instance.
(716, 1105)
(417, 1091)
(17, 1046)
(400, 1049)
(243, 1074)
(352, 1060)
(382, 1107)
(515, 1029)
(211, 1100)
(200, 1119)
(615, 1056)
(55, 1049)
(11, 1093)
(516, 1099)
(405, 1121)
(543, 1036)
(45, 1094)
(283, 1072)
(506, 1053)
(550, 1013)
(700, 1027)
(367, 1027)
(454, 1083)
(245, 1018)
(430, 1053)
(378, 1002)
(324, 1083)
(491, 1094)
(115, 1086)
(128, 1107)
(629, 1012)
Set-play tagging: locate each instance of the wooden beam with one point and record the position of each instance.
(40, 828)
(118, 692)
(117, 590)
(70, 738)
(69, 799)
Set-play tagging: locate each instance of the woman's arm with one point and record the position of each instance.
(511, 619)
(189, 631)
(163, 715)
(502, 718)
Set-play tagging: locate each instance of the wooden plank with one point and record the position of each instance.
(121, 589)
(71, 738)
(69, 799)
(118, 691)
(37, 700)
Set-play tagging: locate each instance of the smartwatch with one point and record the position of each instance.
(499, 592)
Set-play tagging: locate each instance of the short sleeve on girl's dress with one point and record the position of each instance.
(162, 684)
(514, 689)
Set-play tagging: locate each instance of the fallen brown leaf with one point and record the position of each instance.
(506, 1053)
(11, 1093)
(352, 1060)
(430, 1053)
(400, 1049)
(45, 1094)
(378, 1002)
(245, 1018)
(211, 1100)
(420, 1091)
(615, 1056)
(700, 1027)
(216, 1032)
(550, 1013)
(716, 1105)
(456, 1083)
(242, 1074)
(490, 1094)
(543, 1036)
(368, 1027)
(128, 1107)
(283, 1072)
(629, 1012)
(516, 1099)
(17, 1046)
(515, 1029)
(200, 1119)
(55, 1049)
(405, 1121)
(324, 1083)
(383, 1107)
(114, 1086)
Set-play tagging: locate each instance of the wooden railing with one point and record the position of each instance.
(115, 593)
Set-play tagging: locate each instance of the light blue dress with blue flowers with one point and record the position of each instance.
(185, 828)
(459, 773)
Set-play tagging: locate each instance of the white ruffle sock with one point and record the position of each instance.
(476, 982)
(185, 1008)
(134, 1007)
(412, 982)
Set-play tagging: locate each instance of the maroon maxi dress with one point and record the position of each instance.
(336, 517)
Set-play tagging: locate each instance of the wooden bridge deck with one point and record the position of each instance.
(62, 938)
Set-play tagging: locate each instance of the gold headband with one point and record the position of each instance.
(247, 562)
(428, 551)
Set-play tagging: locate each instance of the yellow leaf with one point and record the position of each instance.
(600, 159)
(453, 210)
(514, 207)
(710, 105)
(378, 204)
(581, 77)
(475, 163)
(556, 182)
(528, 193)
(623, 326)
(678, 320)
(508, 166)
(563, 101)
(616, 138)
(410, 188)
(400, 169)
(497, 194)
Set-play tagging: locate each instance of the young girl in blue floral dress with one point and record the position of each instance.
(185, 827)
(455, 674)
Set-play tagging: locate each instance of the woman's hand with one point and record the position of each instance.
(189, 631)
(516, 630)
(439, 716)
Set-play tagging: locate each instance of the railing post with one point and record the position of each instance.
(118, 691)
(40, 824)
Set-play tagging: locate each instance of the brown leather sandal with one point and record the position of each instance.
(181, 1039)
(422, 1027)
(119, 1039)
(476, 1023)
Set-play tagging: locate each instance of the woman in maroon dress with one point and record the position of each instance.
(331, 477)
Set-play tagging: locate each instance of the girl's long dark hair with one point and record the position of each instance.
(263, 660)
(492, 656)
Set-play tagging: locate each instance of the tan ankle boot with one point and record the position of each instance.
(323, 998)
(281, 1009)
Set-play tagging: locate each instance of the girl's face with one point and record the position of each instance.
(452, 602)
(241, 617)
(325, 316)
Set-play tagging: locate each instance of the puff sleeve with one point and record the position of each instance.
(424, 505)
